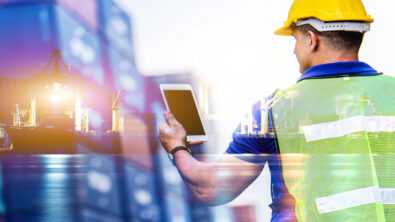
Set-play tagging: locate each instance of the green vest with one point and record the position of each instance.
(336, 138)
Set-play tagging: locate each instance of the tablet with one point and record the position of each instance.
(180, 101)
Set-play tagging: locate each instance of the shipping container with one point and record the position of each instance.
(80, 48)
(100, 181)
(172, 181)
(27, 40)
(176, 209)
(138, 140)
(116, 27)
(142, 192)
(86, 11)
(30, 33)
(127, 80)
(92, 215)
(200, 212)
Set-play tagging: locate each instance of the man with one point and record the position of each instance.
(328, 140)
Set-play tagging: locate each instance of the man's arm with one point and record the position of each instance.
(214, 184)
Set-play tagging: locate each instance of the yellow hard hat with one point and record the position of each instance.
(326, 11)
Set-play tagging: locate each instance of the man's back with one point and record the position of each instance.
(335, 136)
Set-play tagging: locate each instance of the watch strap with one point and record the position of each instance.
(178, 148)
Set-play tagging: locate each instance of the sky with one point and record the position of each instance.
(227, 43)
(230, 44)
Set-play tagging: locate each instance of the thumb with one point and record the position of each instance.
(195, 143)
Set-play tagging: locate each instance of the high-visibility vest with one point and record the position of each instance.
(336, 137)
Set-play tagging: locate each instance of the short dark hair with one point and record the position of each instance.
(339, 40)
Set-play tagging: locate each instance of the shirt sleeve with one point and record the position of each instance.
(255, 134)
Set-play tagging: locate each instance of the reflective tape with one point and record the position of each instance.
(347, 126)
(388, 195)
(355, 198)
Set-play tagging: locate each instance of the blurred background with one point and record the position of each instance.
(80, 104)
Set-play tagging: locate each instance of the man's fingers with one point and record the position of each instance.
(170, 119)
(163, 125)
(168, 116)
(171, 132)
(195, 143)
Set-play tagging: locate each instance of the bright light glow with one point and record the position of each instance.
(78, 113)
(55, 97)
(59, 94)
(57, 86)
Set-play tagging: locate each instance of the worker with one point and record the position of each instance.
(328, 140)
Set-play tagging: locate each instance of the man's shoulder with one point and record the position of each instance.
(257, 122)
(265, 103)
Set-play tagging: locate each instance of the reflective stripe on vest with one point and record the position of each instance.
(349, 125)
(355, 198)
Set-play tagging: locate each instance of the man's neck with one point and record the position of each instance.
(332, 57)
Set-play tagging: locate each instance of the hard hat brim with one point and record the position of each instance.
(285, 30)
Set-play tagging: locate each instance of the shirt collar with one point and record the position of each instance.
(354, 68)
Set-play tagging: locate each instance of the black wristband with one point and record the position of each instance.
(178, 148)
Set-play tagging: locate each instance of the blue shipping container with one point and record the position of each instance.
(116, 26)
(100, 183)
(128, 79)
(143, 203)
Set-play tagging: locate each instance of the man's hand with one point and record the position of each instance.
(213, 184)
(171, 132)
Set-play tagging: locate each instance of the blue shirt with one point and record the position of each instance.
(249, 138)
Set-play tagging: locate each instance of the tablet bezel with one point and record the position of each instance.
(163, 87)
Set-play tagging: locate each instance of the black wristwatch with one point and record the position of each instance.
(178, 148)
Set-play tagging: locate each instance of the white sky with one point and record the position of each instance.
(230, 44)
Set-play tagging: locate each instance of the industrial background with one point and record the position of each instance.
(80, 103)
(78, 121)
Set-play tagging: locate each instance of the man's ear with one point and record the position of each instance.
(313, 39)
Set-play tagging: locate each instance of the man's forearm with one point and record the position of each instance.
(199, 176)
(218, 183)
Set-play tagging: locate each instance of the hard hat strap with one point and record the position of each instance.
(322, 26)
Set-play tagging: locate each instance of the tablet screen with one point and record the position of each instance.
(182, 104)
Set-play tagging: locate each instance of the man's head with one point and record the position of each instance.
(326, 29)
(314, 47)
(335, 40)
